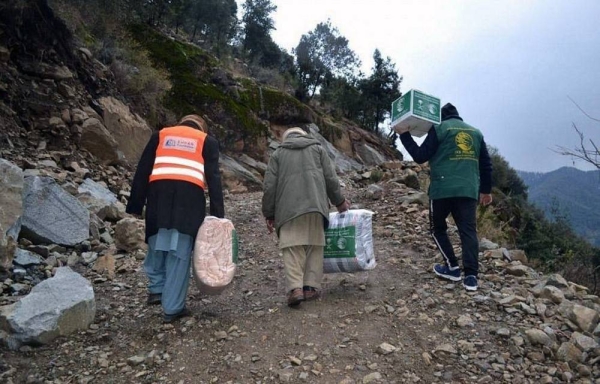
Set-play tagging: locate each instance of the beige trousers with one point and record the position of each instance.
(303, 266)
(302, 241)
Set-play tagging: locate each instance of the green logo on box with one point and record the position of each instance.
(401, 106)
(340, 242)
(426, 106)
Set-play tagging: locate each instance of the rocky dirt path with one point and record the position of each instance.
(394, 324)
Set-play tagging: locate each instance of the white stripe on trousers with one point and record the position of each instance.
(436, 240)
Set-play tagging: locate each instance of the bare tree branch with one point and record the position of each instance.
(589, 155)
(582, 111)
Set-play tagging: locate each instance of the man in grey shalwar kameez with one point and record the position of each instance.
(299, 181)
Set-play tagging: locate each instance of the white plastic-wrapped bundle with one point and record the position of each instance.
(215, 255)
(349, 242)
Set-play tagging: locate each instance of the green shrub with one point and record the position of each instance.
(376, 175)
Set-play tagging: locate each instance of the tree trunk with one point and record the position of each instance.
(195, 29)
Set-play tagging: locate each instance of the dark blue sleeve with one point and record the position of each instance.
(423, 153)
(139, 186)
(485, 169)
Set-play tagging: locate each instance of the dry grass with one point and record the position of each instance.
(139, 80)
(491, 227)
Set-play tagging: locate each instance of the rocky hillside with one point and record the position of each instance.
(57, 98)
(394, 324)
(72, 287)
(64, 120)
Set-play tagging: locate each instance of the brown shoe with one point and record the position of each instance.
(311, 293)
(295, 297)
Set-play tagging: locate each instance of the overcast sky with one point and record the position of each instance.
(508, 66)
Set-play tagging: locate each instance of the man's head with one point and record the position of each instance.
(292, 130)
(194, 121)
(449, 111)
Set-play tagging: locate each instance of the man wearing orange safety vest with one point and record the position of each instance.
(177, 166)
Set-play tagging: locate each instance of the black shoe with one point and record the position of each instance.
(154, 298)
(171, 318)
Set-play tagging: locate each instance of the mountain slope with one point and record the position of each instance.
(394, 324)
(57, 95)
(573, 192)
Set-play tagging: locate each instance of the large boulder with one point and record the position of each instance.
(557, 281)
(585, 318)
(369, 155)
(97, 140)
(130, 235)
(342, 162)
(257, 165)
(100, 200)
(129, 130)
(236, 178)
(11, 203)
(51, 215)
(55, 307)
(94, 196)
(26, 258)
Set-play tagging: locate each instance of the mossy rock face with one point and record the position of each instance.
(330, 130)
(244, 111)
(273, 105)
(190, 71)
(241, 109)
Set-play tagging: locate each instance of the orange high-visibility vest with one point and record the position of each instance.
(179, 156)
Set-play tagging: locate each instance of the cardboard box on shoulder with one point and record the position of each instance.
(414, 112)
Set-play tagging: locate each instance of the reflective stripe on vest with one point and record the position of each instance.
(179, 156)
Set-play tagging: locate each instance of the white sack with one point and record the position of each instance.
(349, 242)
(215, 255)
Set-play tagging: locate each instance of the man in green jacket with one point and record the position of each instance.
(461, 174)
(299, 181)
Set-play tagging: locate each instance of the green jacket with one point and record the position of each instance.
(455, 165)
(300, 179)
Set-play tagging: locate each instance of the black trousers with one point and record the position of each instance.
(464, 213)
